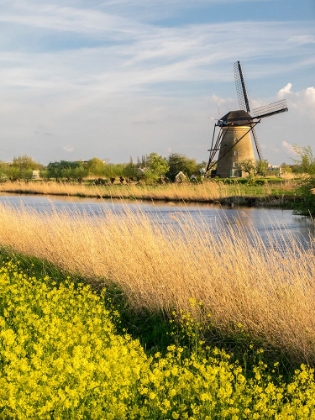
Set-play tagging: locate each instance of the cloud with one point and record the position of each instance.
(309, 96)
(141, 9)
(68, 148)
(68, 19)
(88, 70)
(284, 91)
(288, 147)
(302, 102)
(147, 56)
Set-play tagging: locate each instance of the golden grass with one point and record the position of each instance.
(205, 192)
(201, 192)
(238, 279)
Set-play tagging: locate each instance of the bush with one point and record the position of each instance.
(230, 181)
(261, 181)
(306, 206)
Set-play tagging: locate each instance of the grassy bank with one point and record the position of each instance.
(258, 293)
(270, 193)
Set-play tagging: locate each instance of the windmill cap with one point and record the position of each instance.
(239, 117)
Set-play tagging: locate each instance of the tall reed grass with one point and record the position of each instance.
(207, 191)
(244, 284)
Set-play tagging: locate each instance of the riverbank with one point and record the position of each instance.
(181, 320)
(282, 194)
(262, 291)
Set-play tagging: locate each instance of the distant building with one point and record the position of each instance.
(274, 167)
(180, 177)
(35, 174)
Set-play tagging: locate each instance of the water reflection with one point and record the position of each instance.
(282, 225)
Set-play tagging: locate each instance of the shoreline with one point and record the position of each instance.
(283, 201)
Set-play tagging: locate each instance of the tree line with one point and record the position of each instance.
(150, 167)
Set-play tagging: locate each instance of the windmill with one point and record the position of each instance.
(233, 143)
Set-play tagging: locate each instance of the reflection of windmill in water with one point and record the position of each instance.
(233, 141)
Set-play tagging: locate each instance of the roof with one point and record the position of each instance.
(239, 117)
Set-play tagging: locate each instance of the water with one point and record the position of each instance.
(280, 224)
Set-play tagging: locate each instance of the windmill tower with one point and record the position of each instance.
(233, 143)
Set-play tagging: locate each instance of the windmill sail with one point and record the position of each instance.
(257, 144)
(240, 87)
(243, 100)
(271, 109)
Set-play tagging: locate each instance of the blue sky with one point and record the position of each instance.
(120, 78)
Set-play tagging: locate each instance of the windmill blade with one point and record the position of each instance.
(240, 87)
(257, 144)
(271, 109)
(243, 100)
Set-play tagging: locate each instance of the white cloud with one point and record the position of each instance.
(68, 19)
(302, 39)
(68, 148)
(142, 9)
(303, 102)
(309, 95)
(288, 147)
(150, 55)
(284, 91)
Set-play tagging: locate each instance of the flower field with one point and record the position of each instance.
(61, 357)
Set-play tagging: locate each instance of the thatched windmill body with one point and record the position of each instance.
(233, 143)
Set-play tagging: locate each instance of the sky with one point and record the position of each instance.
(116, 79)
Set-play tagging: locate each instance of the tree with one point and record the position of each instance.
(96, 167)
(262, 167)
(23, 167)
(157, 167)
(285, 168)
(25, 162)
(305, 160)
(66, 169)
(130, 170)
(180, 163)
(114, 169)
(306, 190)
(248, 166)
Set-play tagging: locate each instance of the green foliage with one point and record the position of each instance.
(285, 168)
(262, 167)
(25, 162)
(96, 167)
(79, 169)
(306, 205)
(66, 169)
(247, 166)
(157, 167)
(114, 169)
(260, 181)
(180, 163)
(20, 167)
(130, 170)
(305, 161)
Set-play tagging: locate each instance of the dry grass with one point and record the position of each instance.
(205, 192)
(199, 192)
(238, 278)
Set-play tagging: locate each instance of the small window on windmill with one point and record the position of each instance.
(235, 164)
(235, 139)
(235, 153)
